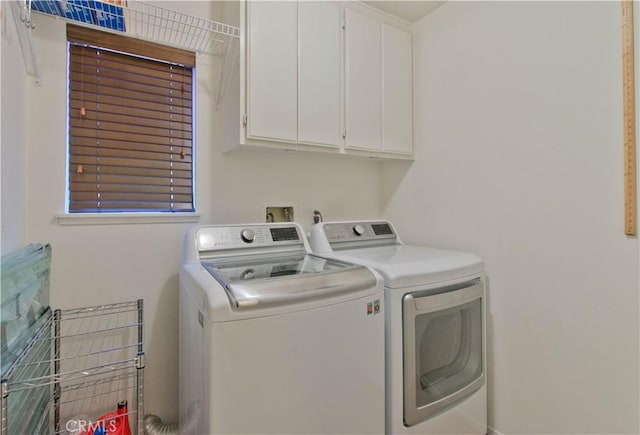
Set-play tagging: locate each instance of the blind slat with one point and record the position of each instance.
(129, 196)
(92, 116)
(92, 207)
(125, 179)
(132, 146)
(87, 187)
(164, 79)
(128, 163)
(148, 84)
(76, 105)
(161, 109)
(117, 127)
(88, 169)
(129, 137)
(143, 159)
(83, 85)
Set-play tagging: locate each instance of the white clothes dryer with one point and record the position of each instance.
(276, 340)
(435, 331)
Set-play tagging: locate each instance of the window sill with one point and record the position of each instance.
(126, 218)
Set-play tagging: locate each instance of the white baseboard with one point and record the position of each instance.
(492, 431)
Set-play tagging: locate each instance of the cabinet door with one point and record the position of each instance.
(272, 69)
(397, 90)
(320, 73)
(363, 85)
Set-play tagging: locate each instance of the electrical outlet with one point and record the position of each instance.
(279, 214)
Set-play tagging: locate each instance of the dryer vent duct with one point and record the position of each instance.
(153, 424)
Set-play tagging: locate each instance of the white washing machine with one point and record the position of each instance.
(275, 340)
(436, 364)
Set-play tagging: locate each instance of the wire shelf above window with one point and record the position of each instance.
(139, 19)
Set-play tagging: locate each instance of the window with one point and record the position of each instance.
(130, 124)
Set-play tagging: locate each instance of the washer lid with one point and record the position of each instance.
(408, 265)
(260, 281)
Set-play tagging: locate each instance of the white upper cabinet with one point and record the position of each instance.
(272, 70)
(320, 97)
(363, 87)
(397, 90)
(322, 75)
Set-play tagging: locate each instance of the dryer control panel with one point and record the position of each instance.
(337, 232)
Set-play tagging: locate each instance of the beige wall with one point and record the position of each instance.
(517, 128)
(95, 264)
(518, 133)
(13, 126)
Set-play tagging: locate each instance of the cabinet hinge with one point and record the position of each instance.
(344, 24)
(344, 133)
(244, 119)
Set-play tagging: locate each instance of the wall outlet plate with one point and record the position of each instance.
(279, 214)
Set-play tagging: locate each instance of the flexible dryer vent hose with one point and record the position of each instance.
(153, 425)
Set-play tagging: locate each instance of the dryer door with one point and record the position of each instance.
(443, 348)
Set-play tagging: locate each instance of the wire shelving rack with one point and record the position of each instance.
(76, 368)
(134, 18)
(139, 19)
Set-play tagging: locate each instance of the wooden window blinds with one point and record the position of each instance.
(130, 124)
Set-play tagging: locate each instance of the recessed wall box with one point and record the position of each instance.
(279, 214)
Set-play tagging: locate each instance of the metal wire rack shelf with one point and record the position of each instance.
(76, 368)
(134, 18)
(141, 20)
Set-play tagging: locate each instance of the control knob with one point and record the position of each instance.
(358, 230)
(247, 236)
(248, 274)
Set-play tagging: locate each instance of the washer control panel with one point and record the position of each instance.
(240, 237)
(357, 231)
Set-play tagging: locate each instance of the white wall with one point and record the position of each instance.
(13, 138)
(106, 263)
(518, 159)
(518, 132)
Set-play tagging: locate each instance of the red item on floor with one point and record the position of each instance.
(113, 423)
